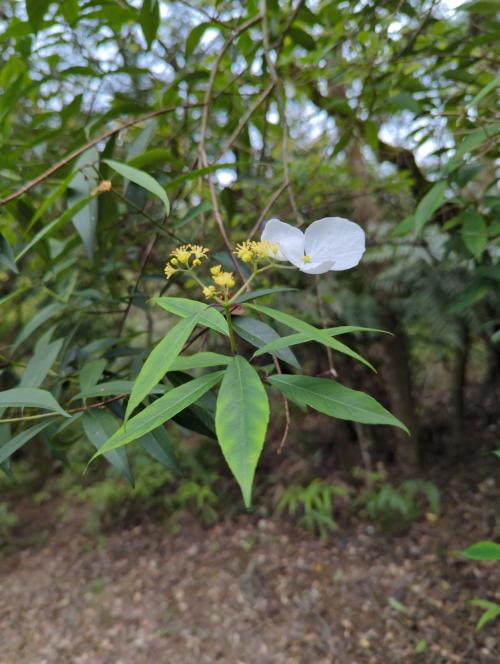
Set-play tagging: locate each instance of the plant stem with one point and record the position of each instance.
(232, 341)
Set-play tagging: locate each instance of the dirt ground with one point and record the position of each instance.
(251, 591)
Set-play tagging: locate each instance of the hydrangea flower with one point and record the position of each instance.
(331, 243)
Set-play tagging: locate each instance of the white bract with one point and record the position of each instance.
(328, 244)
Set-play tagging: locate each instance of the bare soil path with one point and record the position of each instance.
(253, 591)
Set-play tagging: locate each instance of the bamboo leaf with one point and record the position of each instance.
(28, 397)
(142, 179)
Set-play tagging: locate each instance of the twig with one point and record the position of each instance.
(80, 409)
(281, 106)
(76, 153)
(266, 209)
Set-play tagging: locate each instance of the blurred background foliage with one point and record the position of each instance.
(382, 112)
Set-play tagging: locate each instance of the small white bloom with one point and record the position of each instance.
(331, 243)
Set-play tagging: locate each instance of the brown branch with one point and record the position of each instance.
(76, 153)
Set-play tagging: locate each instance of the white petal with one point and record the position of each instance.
(338, 240)
(289, 239)
(316, 268)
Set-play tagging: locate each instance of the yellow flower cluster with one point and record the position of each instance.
(181, 256)
(223, 281)
(251, 251)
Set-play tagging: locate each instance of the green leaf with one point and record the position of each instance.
(301, 337)
(474, 232)
(36, 10)
(28, 397)
(491, 611)
(99, 425)
(70, 213)
(333, 399)
(149, 18)
(6, 255)
(112, 388)
(205, 206)
(8, 449)
(198, 172)
(241, 419)
(492, 85)
(158, 445)
(85, 219)
(484, 550)
(432, 200)
(40, 363)
(404, 226)
(199, 360)
(160, 411)
(199, 416)
(160, 360)
(194, 37)
(316, 334)
(262, 292)
(302, 38)
(142, 179)
(261, 334)
(41, 317)
(91, 373)
(182, 307)
(474, 140)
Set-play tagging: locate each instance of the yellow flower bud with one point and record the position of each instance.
(103, 187)
(214, 271)
(196, 262)
(224, 279)
(169, 270)
(209, 291)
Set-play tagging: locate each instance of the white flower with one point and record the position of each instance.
(331, 243)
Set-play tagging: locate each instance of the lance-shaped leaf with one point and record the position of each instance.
(149, 18)
(302, 337)
(199, 416)
(429, 204)
(321, 336)
(329, 397)
(99, 425)
(41, 362)
(85, 220)
(160, 411)
(199, 361)
(7, 256)
(142, 179)
(182, 307)
(261, 334)
(160, 360)
(241, 419)
(113, 388)
(158, 445)
(18, 441)
(28, 397)
(262, 292)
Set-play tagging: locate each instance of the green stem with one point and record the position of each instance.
(232, 340)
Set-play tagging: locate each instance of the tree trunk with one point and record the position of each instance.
(459, 381)
(400, 385)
